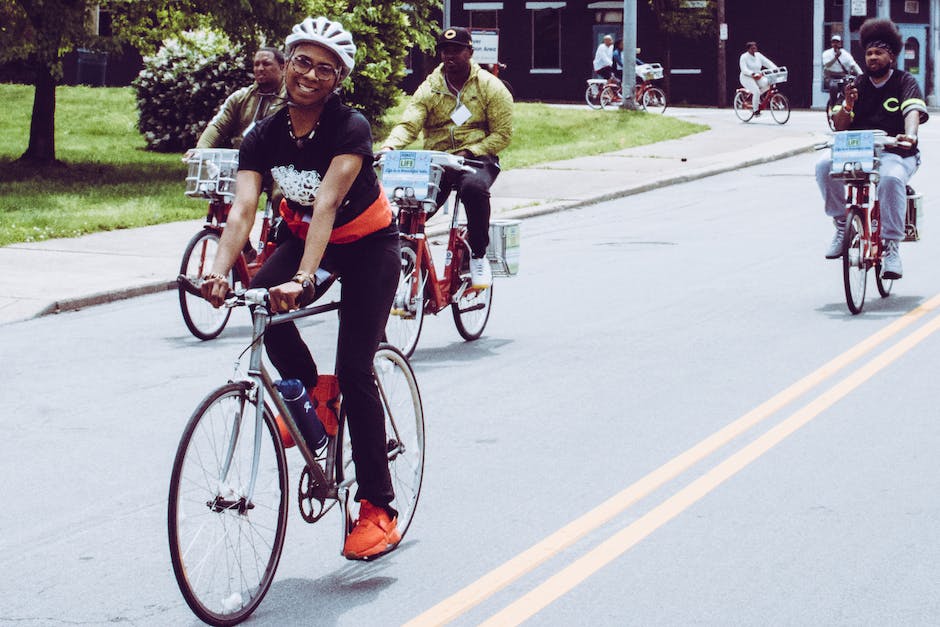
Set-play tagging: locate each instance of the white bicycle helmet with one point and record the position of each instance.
(330, 35)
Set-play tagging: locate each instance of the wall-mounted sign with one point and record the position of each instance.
(485, 45)
(694, 4)
(912, 6)
(723, 32)
(859, 7)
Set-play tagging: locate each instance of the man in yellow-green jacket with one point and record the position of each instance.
(464, 110)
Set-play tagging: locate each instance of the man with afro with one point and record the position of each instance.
(888, 99)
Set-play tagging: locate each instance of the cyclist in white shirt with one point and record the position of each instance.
(604, 58)
(752, 79)
(837, 63)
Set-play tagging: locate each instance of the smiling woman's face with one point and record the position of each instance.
(304, 87)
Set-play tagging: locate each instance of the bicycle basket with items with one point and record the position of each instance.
(650, 71)
(776, 75)
(211, 172)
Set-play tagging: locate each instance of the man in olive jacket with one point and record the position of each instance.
(249, 104)
(464, 110)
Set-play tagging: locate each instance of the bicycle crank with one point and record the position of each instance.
(311, 497)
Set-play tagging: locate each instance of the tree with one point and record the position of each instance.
(41, 32)
(692, 19)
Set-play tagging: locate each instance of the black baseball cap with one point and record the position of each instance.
(455, 35)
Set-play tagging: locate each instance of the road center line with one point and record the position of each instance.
(615, 546)
(503, 575)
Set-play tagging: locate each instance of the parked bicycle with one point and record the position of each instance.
(412, 179)
(647, 96)
(855, 159)
(211, 175)
(772, 99)
(228, 498)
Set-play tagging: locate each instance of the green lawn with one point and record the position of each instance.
(109, 181)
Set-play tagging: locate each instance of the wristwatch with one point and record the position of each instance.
(307, 282)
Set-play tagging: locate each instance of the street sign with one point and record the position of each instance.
(723, 32)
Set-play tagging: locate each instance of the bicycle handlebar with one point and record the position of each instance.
(443, 159)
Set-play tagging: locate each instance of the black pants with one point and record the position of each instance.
(368, 269)
(474, 190)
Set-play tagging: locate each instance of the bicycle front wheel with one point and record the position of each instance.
(742, 107)
(227, 511)
(404, 432)
(404, 323)
(610, 99)
(654, 100)
(201, 318)
(854, 262)
(780, 108)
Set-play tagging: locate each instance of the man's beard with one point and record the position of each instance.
(879, 73)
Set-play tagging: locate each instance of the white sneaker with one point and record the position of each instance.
(481, 276)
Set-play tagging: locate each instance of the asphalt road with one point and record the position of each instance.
(672, 419)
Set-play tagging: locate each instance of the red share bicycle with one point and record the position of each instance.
(211, 175)
(855, 160)
(771, 99)
(412, 180)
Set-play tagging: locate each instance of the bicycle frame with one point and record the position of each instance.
(441, 292)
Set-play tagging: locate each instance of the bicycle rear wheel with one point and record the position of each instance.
(201, 318)
(884, 285)
(742, 107)
(592, 96)
(225, 540)
(404, 432)
(472, 311)
(780, 108)
(854, 263)
(654, 100)
(404, 323)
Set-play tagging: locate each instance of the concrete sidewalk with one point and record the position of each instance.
(67, 274)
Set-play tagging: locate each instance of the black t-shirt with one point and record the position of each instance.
(298, 166)
(884, 107)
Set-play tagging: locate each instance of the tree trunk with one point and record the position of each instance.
(41, 150)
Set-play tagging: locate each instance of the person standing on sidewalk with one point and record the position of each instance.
(887, 99)
(464, 110)
(751, 63)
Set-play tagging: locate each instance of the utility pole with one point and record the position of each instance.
(722, 59)
(629, 54)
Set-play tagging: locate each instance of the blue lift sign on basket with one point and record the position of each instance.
(853, 147)
(407, 169)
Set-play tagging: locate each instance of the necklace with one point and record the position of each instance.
(302, 140)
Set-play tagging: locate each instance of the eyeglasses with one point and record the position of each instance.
(322, 71)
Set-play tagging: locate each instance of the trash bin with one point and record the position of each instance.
(92, 67)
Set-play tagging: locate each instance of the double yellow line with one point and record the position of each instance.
(609, 550)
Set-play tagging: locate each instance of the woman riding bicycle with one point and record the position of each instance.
(752, 79)
(319, 151)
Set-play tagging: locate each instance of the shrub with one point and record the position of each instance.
(183, 85)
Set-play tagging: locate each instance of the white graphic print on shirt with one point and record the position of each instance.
(299, 186)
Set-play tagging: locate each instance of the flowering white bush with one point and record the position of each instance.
(183, 85)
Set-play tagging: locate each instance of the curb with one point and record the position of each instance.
(548, 207)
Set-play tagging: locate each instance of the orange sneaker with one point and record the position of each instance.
(375, 533)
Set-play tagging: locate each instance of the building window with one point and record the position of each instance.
(546, 34)
(484, 19)
(483, 15)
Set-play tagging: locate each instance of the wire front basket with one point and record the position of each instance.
(211, 173)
